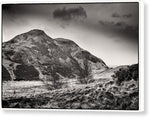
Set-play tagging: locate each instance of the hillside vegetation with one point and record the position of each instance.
(104, 95)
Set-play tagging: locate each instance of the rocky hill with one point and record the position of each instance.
(36, 56)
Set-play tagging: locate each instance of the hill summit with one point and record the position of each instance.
(36, 56)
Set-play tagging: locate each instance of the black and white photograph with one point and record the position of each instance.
(74, 56)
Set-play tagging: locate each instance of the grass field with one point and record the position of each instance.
(99, 95)
(15, 89)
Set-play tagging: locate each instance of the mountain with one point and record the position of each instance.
(36, 56)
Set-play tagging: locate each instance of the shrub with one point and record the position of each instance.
(26, 72)
(126, 74)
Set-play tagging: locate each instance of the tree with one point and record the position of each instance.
(86, 73)
(52, 79)
(56, 78)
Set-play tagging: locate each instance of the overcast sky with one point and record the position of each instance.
(108, 31)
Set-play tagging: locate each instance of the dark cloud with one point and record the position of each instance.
(24, 10)
(10, 12)
(14, 9)
(116, 15)
(120, 28)
(127, 15)
(70, 14)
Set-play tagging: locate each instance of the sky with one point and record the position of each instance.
(107, 30)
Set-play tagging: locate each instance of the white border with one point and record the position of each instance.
(64, 1)
(141, 56)
(141, 49)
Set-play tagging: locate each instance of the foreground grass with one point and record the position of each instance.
(15, 89)
(103, 96)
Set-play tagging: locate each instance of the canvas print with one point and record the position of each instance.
(70, 56)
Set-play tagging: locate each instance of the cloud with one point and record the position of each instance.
(127, 15)
(70, 14)
(120, 28)
(14, 9)
(116, 15)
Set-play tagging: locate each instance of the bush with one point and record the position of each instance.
(126, 74)
(26, 72)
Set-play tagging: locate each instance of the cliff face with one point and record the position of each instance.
(34, 55)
